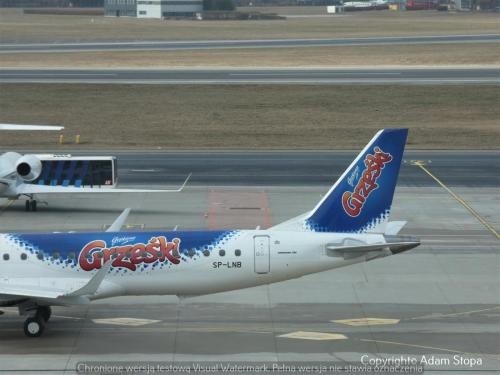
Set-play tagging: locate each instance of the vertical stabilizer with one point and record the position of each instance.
(360, 200)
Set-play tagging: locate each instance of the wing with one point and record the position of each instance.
(29, 291)
(77, 294)
(119, 221)
(29, 127)
(44, 189)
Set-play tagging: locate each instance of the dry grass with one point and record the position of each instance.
(253, 116)
(16, 27)
(446, 54)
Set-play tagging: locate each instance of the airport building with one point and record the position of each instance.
(168, 8)
(120, 8)
(152, 8)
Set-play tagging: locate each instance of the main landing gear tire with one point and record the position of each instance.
(34, 326)
(31, 205)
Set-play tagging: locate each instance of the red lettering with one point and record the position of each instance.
(353, 202)
(91, 250)
(96, 253)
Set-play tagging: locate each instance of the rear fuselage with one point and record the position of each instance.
(176, 263)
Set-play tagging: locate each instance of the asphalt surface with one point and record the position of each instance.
(258, 76)
(220, 44)
(288, 168)
(437, 301)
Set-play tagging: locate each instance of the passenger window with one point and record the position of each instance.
(71, 256)
(191, 253)
(6, 257)
(55, 255)
(39, 255)
(222, 253)
(237, 252)
(206, 253)
(24, 256)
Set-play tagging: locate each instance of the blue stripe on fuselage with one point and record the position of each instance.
(68, 245)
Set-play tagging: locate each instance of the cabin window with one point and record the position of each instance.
(24, 256)
(237, 252)
(206, 253)
(222, 253)
(191, 253)
(39, 255)
(71, 256)
(6, 257)
(55, 255)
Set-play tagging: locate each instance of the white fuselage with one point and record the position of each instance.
(245, 259)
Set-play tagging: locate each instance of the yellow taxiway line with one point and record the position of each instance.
(459, 199)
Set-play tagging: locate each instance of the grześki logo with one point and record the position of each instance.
(353, 202)
(96, 253)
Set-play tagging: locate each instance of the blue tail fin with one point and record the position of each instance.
(361, 198)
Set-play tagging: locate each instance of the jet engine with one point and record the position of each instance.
(29, 167)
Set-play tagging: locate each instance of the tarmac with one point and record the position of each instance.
(437, 307)
(392, 75)
(263, 43)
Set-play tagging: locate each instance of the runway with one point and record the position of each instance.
(257, 76)
(296, 168)
(222, 44)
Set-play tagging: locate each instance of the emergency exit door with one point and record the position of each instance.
(261, 254)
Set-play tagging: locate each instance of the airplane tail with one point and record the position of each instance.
(360, 200)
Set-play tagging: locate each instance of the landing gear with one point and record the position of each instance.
(45, 312)
(31, 205)
(35, 325)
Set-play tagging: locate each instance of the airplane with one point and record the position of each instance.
(366, 5)
(349, 225)
(19, 173)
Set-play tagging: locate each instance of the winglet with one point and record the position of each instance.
(91, 287)
(119, 221)
(29, 127)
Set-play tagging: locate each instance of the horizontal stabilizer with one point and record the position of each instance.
(394, 227)
(394, 247)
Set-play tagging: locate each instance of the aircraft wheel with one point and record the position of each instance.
(33, 205)
(28, 206)
(44, 312)
(34, 327)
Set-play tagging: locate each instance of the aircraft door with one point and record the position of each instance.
(262, 254)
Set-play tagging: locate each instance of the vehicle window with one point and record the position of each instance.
(24, 256)
(6, 257)
(237, 252)
(222, 253)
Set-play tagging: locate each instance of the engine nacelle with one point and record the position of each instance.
(29, 167)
